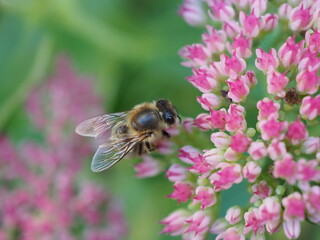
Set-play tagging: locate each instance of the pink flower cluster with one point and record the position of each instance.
(241, 78)
(42, 194)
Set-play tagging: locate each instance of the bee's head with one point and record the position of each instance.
(167, 111)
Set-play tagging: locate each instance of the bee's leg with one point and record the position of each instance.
(140, 148)
(164, 133)
(150, 149)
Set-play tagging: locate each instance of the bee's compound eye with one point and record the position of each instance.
(170, 119)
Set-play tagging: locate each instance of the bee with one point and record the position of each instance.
(136, 131)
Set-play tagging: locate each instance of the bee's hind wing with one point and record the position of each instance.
(109, 154)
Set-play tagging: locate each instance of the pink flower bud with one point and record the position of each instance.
(284, 11)
(292, 228)
(309, 61)
(266, 61)
(233, 215)
(251, 171)
(253, 222)
(251, 24)
(240, 142)
(241, 46)
(307, 170)
(196, 55)
(164, 146)
(218, 226)
(300, 18)
(277, 150)
(270, 21)
(149, 167)
(296, 132)
(228, 175)
(188, 125)
(231, 155)
(202, 121)
(231, 66)
(310, 107)
(203, 80)
(250, 78)
(270, 212)
(312, 203)
(235, 120)
(294, 207)
(272, 129)
(231, 28)
(259, 6)
(198, 223)
(201, 165)
(192, 12)
(182, 191)
(213, 156)
(257, 150)
(310, 145)
(260, 190)
(187, 153)
(209, 101)
(176, 173)
(206, 196)
(231, 233)
(286, 168)
(277, 83)
(214, 40)
(221, 10)
(218, 119)
(175, 222)
(268, 109)
(290, 52)
(308, 81)
(238, 90)
(313, 40)
(220, 139)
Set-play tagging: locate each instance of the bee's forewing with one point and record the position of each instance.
(96, 126)
(109, 154)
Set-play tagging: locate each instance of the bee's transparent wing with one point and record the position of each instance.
(109, 154)
(95, 127)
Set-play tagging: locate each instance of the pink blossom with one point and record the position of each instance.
(257, 150)
(250, 78)
(270, 212)
(235, 120)
(218, 118)
(268, 109)
(259, 6)
(231, 28)
(296, 132)
(277, 83)
(260, 190)
(286, 168)
(188, 125)
(165, 146)
(187, 154)
(175, 223)
(284, 11)
(228, 175)
(198, 223)
(231, 66)
(240, 142)
(149, 167)
(251, 171)
(231, 155)
(214, 40)
(253, 222)
(312, 203)
(310, 145)
(218, 226)
(221, 10)
(201, 166)
(309, 61)
(241, 46)
(233, 215)
(266, 61)
(294, 207)
(195, 55)
(307, 170)
(277, 150)
(192, 12)
(220, 139)
(213, 156)
(310, 107)
(231, 233)
(270, 21)
(182, 191)
(176, 173)
(251, 23)
(300, 17)
(313, 40)
(209, 101)
(203, 121)
(202, 79)
(272, 129)
(205, 196)
(308, 81)
(292, 228)
(238, 90)
(290, 52)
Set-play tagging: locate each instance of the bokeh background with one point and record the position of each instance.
(129, 50)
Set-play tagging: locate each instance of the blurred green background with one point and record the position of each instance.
(129, 47)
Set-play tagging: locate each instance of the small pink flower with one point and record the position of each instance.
(300, 17)
(188, 125)
(195, 55)
(296, 132)
(219, 226)
(238, 90)
(235, 120)
(310, 145)
(213, 156)
(209, 101)
(312, 203)
(240, 142)
(277, 83)
(268, 109)
(220, 139)
(270, 212)
(272, 129)
(290, 52)
(308, 81)
(241, 46)
(251, 24)
(206, 196)
(214, 40)
(257, 150)
(277, 150)
(307, 170)
(231, 233)
(233, 215)
(231, 28)
(292, 228)
(231, 66)
(203, 80)
(286, 168)
(199, 223)
(176, 173)
(251, 171)
(284, 11)
(175, 223)
(218, 119)
(231, 155)
(187, 154)
(260, 190)
(270, 21)
(182, 191)
(309, 61)
(294, 207)
(192, 12)
(310, 107)
(149, 167)
(201, 166)
(313, 40)
(266, 61)
(221, 10)
(202, 121)
(253, 222)
(228, 175)
(165, 146)
(250, 78)
(259, 6)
